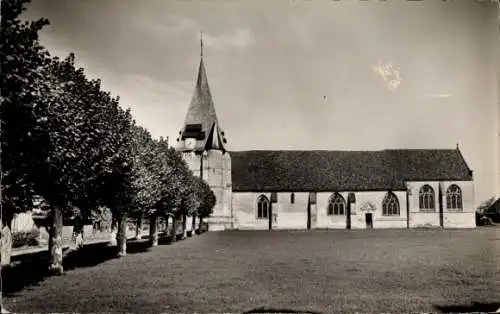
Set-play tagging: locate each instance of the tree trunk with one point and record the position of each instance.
(193, 225)
(153, 230)
(6, 242)
(173, 230)
(2, 226)
(138, 228)
(200, 224)
(6, 249)
(55, 241)
(184, 222)
(77, 236)
(4, 310)
(121, 236)
(114, 227)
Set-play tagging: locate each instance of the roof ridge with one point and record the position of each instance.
(345, 150)
(420, 149)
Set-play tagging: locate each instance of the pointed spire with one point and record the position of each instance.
(201, 112)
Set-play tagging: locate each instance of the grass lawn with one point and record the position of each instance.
(319, 271)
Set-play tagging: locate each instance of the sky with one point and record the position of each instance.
(300, 74)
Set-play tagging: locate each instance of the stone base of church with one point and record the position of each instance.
(219, 223)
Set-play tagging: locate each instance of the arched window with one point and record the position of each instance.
(426, 198)
(336, 205)
(454, 197)
(390, 205)
(262, 207)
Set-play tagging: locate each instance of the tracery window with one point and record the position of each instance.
(426, 199)
(390, 205)
(454, 197)
(336, 205)
(263, 207)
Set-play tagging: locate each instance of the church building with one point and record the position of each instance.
(308, 189)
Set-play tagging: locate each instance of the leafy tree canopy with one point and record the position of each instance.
(146, 183)
(173, 175)
(22, 58)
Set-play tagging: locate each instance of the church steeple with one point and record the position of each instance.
(201, 117)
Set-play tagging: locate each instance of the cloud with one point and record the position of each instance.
(239, 39)
(437, 95)
(389, 74)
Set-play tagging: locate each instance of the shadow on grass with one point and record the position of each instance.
(29, 270)
(162, 240)
(167, 239)
(273, 310)
(469, 308)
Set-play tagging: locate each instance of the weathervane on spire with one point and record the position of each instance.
(201, 44)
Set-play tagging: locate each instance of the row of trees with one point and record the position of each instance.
(67, 140)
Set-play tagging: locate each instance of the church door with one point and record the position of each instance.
(369, 221)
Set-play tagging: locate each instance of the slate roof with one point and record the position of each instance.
(319, 170)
